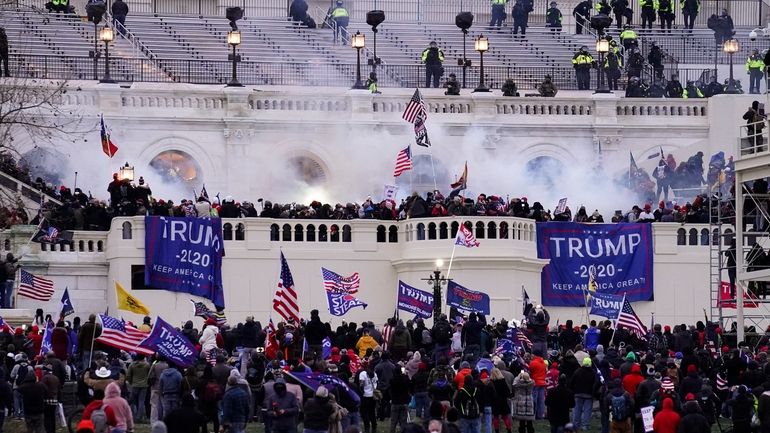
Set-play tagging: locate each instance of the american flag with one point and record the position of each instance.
(334, 282)
(465, 238)
(201, 310)
(35, 287)
(420, 131)
(121, 335)
(721, 383)
(4, 326)
(628, 318)
(403, 161)
(519, 337)
(504, 346)
(285, 301)
(415, 106)
(667, 384)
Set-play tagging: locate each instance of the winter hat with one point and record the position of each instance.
(484, 374)
(85, 426)
(692, 369)
(689, 397)
(465, 364)
(322, 392)
(631, 357)
(210, 322)
(587, 362)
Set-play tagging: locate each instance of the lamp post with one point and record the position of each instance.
(482, 46)
(375, 18)
(358, 41)
(126, 173)
(436, 280)
(731, 46)
(464, 21)
(234, 39)
(602, 47)
(106, 35)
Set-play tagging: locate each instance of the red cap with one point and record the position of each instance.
(484, 375)
(85, 426)
(692, 369)
(689, 397)
(666, 328)
(725, 349)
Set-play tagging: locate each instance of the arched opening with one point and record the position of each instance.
(492, 231)
(681, 237)
(480, 229)
(693, 238)
(81, 246)
(286, 233)
(227, 231)
(322, 233)
(455, 228)
(298, 233)
(176, 166)
(334, 231)
(90, 246)
(381, 235)
(443, 231)
(307, 170)
(503, 230)
(432, 231)
(100, 246)
(704, 237)
(347, 234)
(544, 171)
(240, 232)
(127, 233)
(420, 232)
(274, 232)
(310, 233)
(393, 234)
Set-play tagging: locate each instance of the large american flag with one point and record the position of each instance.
(121, 335)
(334, 282)
(285, 301)
(518, 336)
(628, 318)
(465, 237)
(403, 161)
(415, 106)
(32, 286)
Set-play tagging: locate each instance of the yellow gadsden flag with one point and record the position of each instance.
(129, 303)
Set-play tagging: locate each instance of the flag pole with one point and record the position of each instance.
(617, 318)
(433, 168)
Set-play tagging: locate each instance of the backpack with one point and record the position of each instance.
(99, 418)
(618, 406)
(21, 374)
(212, 392)
(471, 407)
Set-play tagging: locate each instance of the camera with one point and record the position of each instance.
(753, 35)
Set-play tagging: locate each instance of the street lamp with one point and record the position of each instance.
(106, 35)
(464, 21)
(436, 280)
(358, 41)
(731, 46)
(602, 47)
(126, 173)
(234, 39)
(374, 19)
(482, 46)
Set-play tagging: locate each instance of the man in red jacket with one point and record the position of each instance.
(633, 379)
(667, 420)
(537, 370)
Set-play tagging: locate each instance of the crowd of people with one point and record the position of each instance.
(454, 376)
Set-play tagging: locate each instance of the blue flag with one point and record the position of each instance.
(465, 299)
(606, 305)
(185, 255)
(341, 303)
(326, 348)
(315, 380)
(414, 301)
(47, 346)
(66, 304)
(169, 342)
(505, 345)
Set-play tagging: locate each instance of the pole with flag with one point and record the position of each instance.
(632, 169)
(66, 304)
(465, 238)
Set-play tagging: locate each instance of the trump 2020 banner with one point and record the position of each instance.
(185, 255)
(169, 342)
(414, 300)
(620, 255)
(606, 305)
(465, 299)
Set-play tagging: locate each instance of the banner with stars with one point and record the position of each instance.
(619, 256)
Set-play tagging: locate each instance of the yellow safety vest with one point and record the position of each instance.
(340, 12)
(685, 94)
(499, 2)
(627, 34)
(754, 63)
(582, 59)
(649, 3)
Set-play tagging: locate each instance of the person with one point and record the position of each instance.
(553, 17)
(635, 63)
(537, 370)
(136, 379)
(520, 14)
(433, 58)
(467, 402)
(317, 412)
(603, 8)
(170, 388)
(655, 58)
(500, 406)
(124, 419)
(235, 407)
(498, 14)
(186, 418)
(613, 64)
(10, 279)
(340, 16)
(620, 406)
(33, 394)
(692, 91)
(583, 385)
(755, 66)
(523, 403)
(666, 14)
(367, 383)
(714, 88)
(547, 88)
(4, 51)
(648, 12)
(371, 83)
(559, 401)
(119, 13)
(722, 26)
(509, 88)
(693, 420)
(582, 62)
(690, 9)
(452, 86)
(628, 38)
(581, 12)
(156, 370)
(6, 398)
(674, 87)
(400, 396)
(88, 332)
(662, 175)
(742, 406)
(755, 123)
(298, 11)
(621, 10)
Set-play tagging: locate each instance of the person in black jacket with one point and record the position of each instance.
(568, 338)
(742, 409)
(318, 410)
(581, 13)
(119, 13)
(693, 421)
(186, 418)
(471, 335)
(315, 332)
(583, 384)
(400, 396)
(520, 14)
(4, 51)
(674, 87)
(559, 401)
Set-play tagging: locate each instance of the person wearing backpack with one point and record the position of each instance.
(124, 418)
(100, 414)
(33, 394)
(209, 394)
(621, 407)
(19, 373)
(523, 403)
(467, 403)
(559, 401)
(442, 337)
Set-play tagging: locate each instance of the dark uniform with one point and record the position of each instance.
(553, 17)
(509, 88)
(674, 88)
(452, 86)
(433, 58)
(621, 9)
(666, 14)
(520, 15)
(547, 88)
(613, 64)
(692, 91)
(498, 13)
(581, 12)
(755, 66)
(119, 13)
(655, 58)
(635, 88)
(582, 62)
(690, 9)
(714, 88)
(4, 51)
(648, 12)
(635, 64)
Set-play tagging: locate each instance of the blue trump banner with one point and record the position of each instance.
(326, 348)
(47, 344)
(465, 299)
(606, 305)
(414, 300)
(341, 303)
(620, 255)
(332, 383)
(185, 255)
(169, 342)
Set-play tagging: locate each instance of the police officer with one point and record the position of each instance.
(520, 15)
(581, 13)
(635, 63)
(666, 14)
(582, 62)
(341, 18)
(714, 88)
(692, 91)
(613, 64)
(433, 58)
(621, 10)
(635, 88)
(4, 51)
(452, 86)
(603, 7)
(674, 87)
(553, 18)
(648, 12)
(371, 83)
(628, 38)
(498, 13)
(755, 66)
(655, 58)
(690, 9)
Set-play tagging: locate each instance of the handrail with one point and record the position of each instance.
(333, 26)
(139, 48)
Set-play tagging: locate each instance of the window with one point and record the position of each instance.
(127, 233)
(176, 166)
